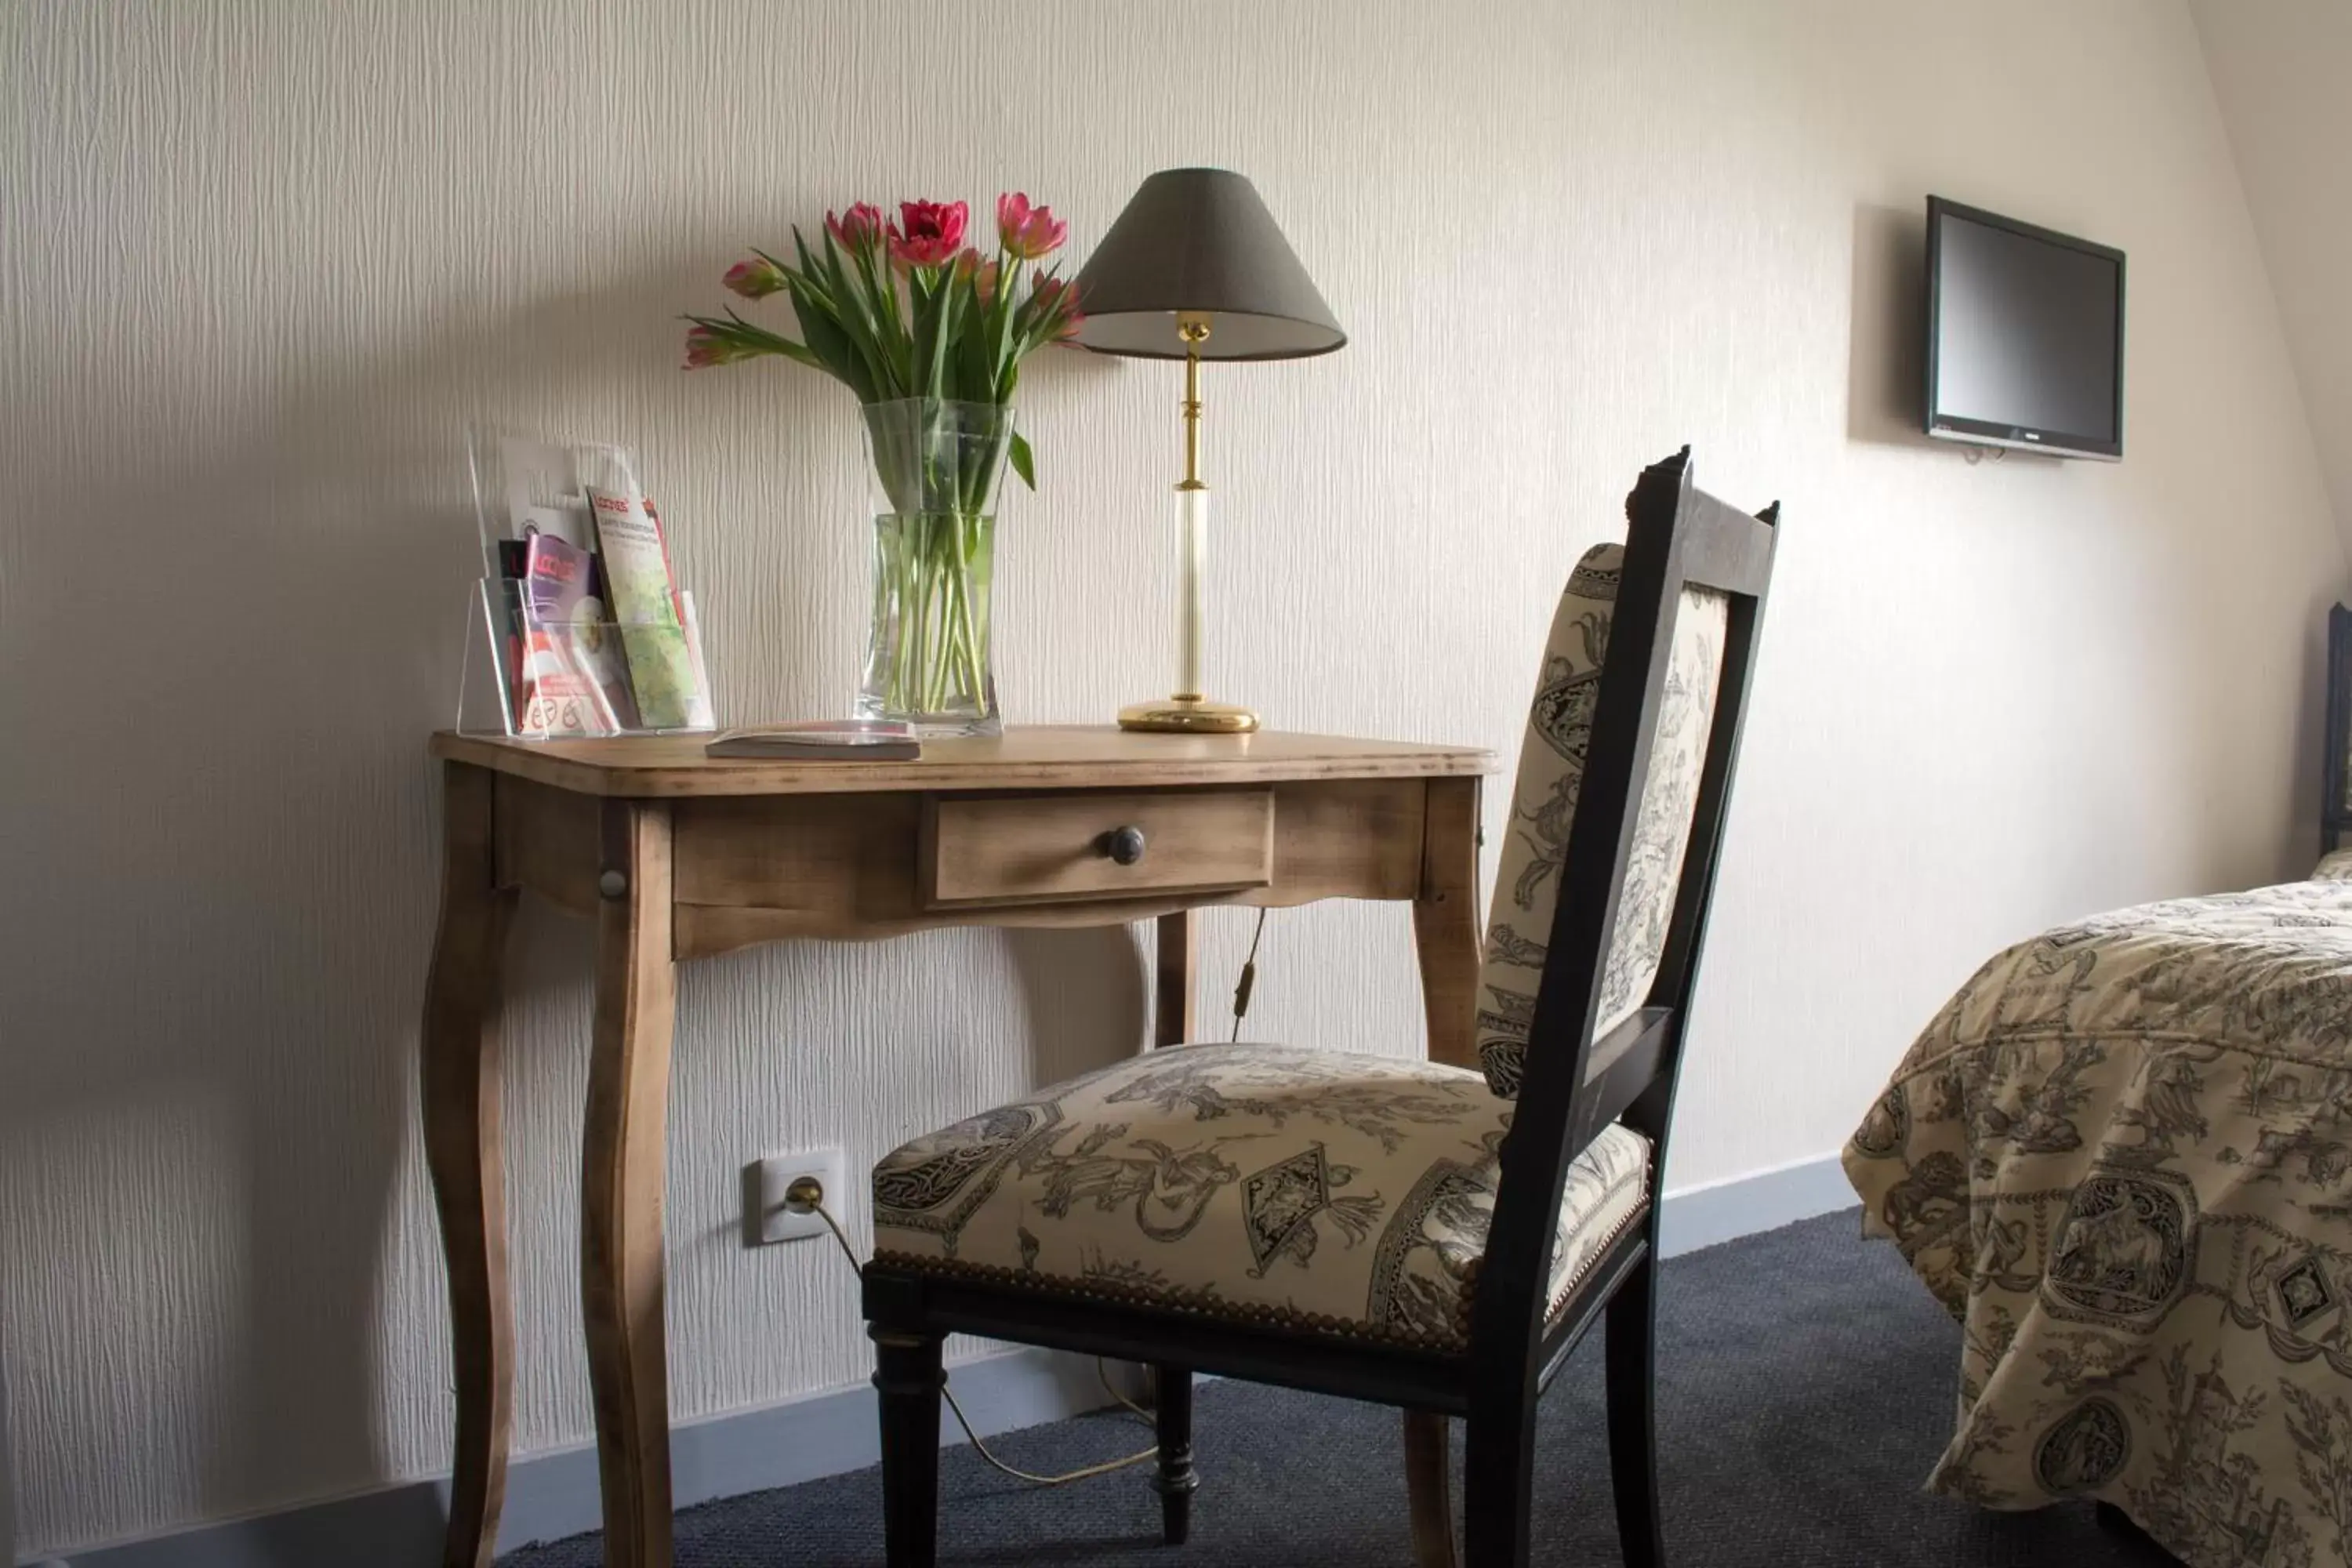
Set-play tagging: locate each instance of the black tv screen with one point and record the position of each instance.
(2025, 335)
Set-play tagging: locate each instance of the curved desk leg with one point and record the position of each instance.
(1446, 919)
(622, 1167)
(463, 1148)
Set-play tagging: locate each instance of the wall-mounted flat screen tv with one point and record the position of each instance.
(2025, 335)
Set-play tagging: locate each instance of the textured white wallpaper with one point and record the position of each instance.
(259, 263)
(2278, 69)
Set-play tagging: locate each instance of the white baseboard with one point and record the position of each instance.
(552, 1494)
(1764, 1200)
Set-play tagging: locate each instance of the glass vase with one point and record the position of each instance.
(937, 465)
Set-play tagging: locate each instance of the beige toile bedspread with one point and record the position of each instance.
(2122, 1156)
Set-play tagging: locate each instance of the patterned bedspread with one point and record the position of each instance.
(2122, 1156)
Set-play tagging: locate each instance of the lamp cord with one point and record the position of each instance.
(1249, 978)
(965, 1422)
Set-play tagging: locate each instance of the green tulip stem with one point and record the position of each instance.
(924, 586)
(937, 463)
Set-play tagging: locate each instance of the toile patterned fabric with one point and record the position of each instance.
(1339, 1193)
(2335, 868)
(2122, 1156)
(1543, 804)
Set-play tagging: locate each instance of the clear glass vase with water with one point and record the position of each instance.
(937, 469)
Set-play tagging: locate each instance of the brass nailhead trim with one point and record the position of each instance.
(1192, 1303)
(1583, 1270)
(1198, 1304)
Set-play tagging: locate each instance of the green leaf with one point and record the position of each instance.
(978, 353)
(938, 384)
(1024, 463)
(934, 324)
(790, 272)
(921, 306)
(807, 267)
(799, 353)
(735, 329)
(1000, 348)
(831, 344)
(860, 321)
(890, 325)
(970, 367)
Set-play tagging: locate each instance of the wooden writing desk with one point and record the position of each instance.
(676, 856)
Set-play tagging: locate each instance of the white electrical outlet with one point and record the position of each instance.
(765, 1217)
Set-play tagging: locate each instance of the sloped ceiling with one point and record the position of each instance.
(2283, 72)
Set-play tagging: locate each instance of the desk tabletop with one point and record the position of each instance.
(1032, 756)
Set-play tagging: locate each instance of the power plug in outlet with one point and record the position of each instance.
(766, 1215)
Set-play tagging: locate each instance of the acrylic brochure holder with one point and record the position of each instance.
(569, 680)
(576, 629)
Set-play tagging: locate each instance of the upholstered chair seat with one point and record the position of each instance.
(1341, 1193)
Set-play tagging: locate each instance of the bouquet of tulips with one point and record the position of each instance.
(906, 309)
(930, 335)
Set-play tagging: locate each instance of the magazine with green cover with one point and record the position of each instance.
(662, 666)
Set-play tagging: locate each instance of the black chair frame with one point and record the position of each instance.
(1676, 536)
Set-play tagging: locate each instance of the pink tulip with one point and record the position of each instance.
(705, 347)
(1026, 231)
(982, 273)
(756, 279)
(1053, 295)
(861, 225)
(927, 234)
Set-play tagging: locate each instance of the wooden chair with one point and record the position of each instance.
(1362, 1227)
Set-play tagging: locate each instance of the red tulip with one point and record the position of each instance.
(1026, 231)
(754, 279)
(927, 234)
(861, 225)
(705, 347)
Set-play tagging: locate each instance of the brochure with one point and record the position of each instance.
(644, 602)
(572, 680)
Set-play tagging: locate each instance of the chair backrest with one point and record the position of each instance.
(1601, 901)
(1544, 807)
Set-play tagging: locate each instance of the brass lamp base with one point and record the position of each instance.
(1187, 716)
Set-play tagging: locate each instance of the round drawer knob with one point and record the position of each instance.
(1124, 845)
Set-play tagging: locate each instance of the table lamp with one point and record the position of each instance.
(1194, 269)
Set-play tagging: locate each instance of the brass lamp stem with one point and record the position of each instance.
(1192, 494)
(1189, 711)
(1195, 334)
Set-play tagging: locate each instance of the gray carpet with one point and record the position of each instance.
(1805, 1388)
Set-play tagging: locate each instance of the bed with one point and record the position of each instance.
(2122, 1157)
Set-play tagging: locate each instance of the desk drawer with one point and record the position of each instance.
(982, 849)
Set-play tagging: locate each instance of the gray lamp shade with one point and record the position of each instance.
(1199, 242)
